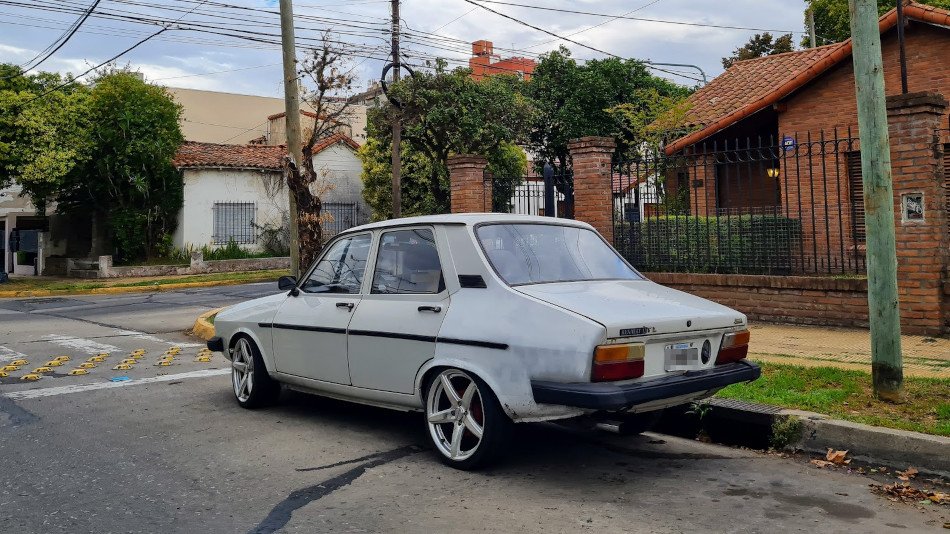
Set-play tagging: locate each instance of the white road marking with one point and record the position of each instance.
(79, 388)
(85, 345)
(8, 354)
(148, 337)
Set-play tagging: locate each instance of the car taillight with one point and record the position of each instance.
(735, 346)
(617, 362)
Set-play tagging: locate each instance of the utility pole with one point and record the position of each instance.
(901, 45)
(397, 127)
(811, 28)
(883, 311)
(292, 121)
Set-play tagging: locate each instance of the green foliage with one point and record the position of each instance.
(748, 244)
(786, 430)
(443, 113)
(507, 165)
(104, 151)
(833, 22)
(601, 97)
(42, 140)
(759, 45)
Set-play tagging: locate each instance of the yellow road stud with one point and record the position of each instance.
(39, 370)
(163, 363)
(129, 361)
(31, 377)
(19, 362)
(10, 368)
(75, 372)
(53, 363)
(62, 359)
(204, 359)
(4, 374)
(96, 359)
(139, 350)
(87, 365)
(122, 367)
(103, 354)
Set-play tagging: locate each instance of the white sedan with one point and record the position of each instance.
(480, 321)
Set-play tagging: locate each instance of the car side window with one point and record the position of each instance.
(341, 268)
(408, 263)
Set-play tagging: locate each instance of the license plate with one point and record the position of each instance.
(681, 357)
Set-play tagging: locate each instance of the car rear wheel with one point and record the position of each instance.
(253, 387)
(466, 424)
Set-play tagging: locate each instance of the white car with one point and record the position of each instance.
(481, 320)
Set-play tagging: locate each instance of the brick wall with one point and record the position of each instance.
(593, 198)
(782, 299)
(470, 192)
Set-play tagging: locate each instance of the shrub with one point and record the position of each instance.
(746, 244)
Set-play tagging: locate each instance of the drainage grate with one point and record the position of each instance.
(732, 404)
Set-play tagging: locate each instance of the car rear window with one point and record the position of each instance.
(543, 253)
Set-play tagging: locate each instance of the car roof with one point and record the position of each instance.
(467, 219)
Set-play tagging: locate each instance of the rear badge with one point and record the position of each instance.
(641, 331)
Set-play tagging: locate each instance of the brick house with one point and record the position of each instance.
(778, 134)
(484, 62)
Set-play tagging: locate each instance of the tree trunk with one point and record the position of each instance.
(309, 206)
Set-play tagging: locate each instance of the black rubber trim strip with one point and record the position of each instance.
(473, 343)
(613, 396)
(216, 344)
(392, 335)
(283, 326)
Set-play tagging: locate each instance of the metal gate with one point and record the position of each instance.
(532, 194)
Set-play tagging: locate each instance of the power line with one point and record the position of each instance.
(641, 19)
(61, 40)
(644, 6)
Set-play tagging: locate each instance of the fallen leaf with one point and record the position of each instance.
(907, 474)
(837, 457)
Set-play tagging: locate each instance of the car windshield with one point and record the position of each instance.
(541, 253)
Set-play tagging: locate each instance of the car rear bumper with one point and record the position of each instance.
(614, 396)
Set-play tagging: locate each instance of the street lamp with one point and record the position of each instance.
(773, 172)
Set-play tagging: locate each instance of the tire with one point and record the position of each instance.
(458, 406)
(638, 423)
(252, 386)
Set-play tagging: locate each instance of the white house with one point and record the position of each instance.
(237, 192)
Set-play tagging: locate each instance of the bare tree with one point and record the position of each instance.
(327, 78)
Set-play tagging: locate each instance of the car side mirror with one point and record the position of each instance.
(286, 282)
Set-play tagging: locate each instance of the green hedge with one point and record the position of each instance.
(745, 244)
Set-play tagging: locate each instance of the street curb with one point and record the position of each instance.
(124, 289)
(203, 328)
(865, 443)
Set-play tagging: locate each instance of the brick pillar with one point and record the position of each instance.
(593, 195)
(922, 241)
(470, 191)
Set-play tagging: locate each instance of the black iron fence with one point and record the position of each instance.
(531, 195)
(340, 216)
(792, 205)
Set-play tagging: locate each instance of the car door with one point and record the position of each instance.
(310, 328)
(394, 329)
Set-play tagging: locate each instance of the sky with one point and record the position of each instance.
(183, 57)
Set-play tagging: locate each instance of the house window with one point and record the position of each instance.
(234, 221)
(856, 189)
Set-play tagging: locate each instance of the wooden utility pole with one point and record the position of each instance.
(812, 40)
(397, 127)
(292, 121)
(883, 311)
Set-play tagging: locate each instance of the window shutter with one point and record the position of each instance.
(234, 221)
(856, 188)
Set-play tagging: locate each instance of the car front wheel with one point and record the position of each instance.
(465, 421)
(253, 387)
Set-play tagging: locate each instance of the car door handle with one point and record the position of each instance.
(347, 305)
(433, 309)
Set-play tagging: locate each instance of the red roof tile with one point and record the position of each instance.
(270, 157)
(754, 84)
(197, 155)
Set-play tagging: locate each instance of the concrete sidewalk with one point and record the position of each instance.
(845, 348)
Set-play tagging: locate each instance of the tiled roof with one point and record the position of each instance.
(750, 80)
(268, 157)
(754, 84)
(197, 155)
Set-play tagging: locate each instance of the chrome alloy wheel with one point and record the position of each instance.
(242, 370)
(455, 414)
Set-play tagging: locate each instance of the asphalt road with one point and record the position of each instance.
(168, 450)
